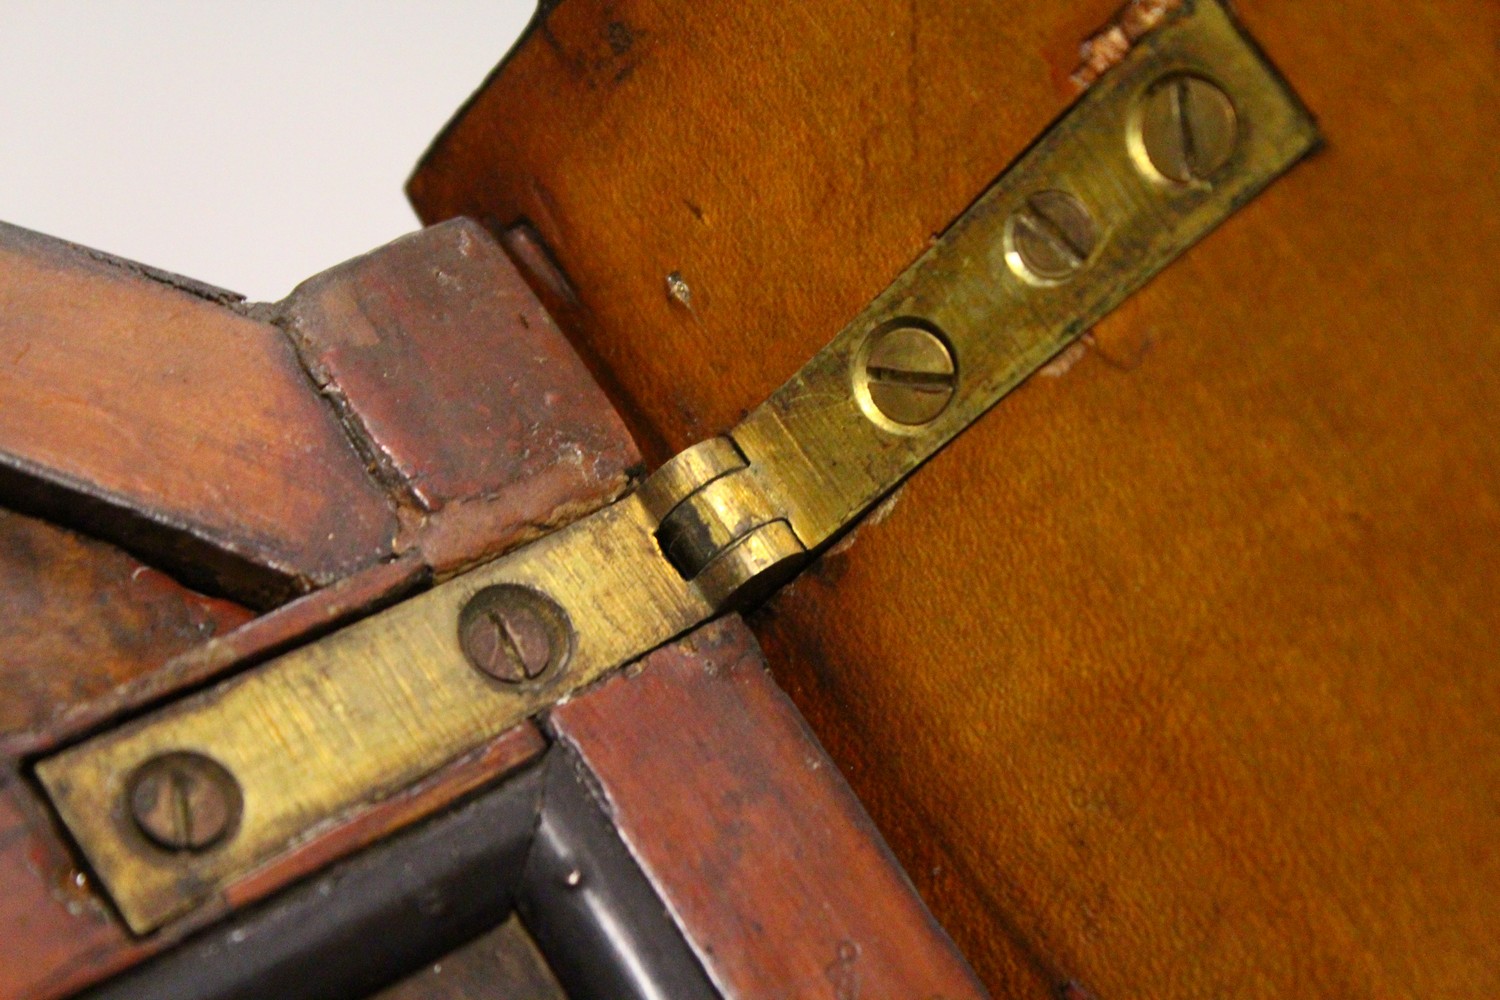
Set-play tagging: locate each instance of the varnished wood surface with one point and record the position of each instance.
(63, 935)
(60, 931)
(79, 618)
(757, 847)
(126, 385)
(58, 935)
(175, 424)
(1174, 676)
(440, 413)
(456, 382)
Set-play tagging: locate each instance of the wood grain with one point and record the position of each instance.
(79, 619)
(1172, 677)
(755, 844)
(441, 413)
(130, 391)
(460, 387)
(173, 424)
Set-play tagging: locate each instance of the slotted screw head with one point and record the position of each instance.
(909, 374)
(514, 634)
(184, 801)
(1051, 236)
(1189, 129)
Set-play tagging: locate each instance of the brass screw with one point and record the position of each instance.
(513, 634)
(1051, 236)
(184, 801)
(1188, 128)
(909, 374)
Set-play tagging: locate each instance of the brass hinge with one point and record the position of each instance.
(1163, 148)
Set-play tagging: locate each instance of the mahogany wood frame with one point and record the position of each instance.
(617, 827)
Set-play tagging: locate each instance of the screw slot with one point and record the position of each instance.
(184, 802)
(1050, 237)
(905, 374)
(1186, 129)
(514, 634)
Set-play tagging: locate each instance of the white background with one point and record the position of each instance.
(248, 144)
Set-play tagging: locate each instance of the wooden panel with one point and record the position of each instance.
(466, 395)
(52, 919)
(174, 424)
(488, 431)
(79, 619)
(753, 841)
(1172, 677)
(75, 711)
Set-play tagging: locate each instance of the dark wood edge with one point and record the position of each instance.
(766, 860)
(595, 916)
(196, 561)
(539, 845)
(365, 922)
(683, 835)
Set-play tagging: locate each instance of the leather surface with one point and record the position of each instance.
(1175, 675)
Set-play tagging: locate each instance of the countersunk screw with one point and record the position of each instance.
(1051, 236)
(513, 634)
(909, 374)
(184, 801)
(1188, 128)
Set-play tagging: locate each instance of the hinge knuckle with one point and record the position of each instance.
(687, 472)
(720, 529)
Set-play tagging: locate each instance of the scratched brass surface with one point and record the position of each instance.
(365, 711)
(368, 710)
(812, 441)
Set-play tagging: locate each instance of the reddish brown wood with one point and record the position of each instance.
(174, 423)
(72, 938)
(463, 391)
(63, 652)
(755, 843)
(80, 622)
(434, 360)
(80, 619)
(180, 423)
(54, 925)
(73, 709)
